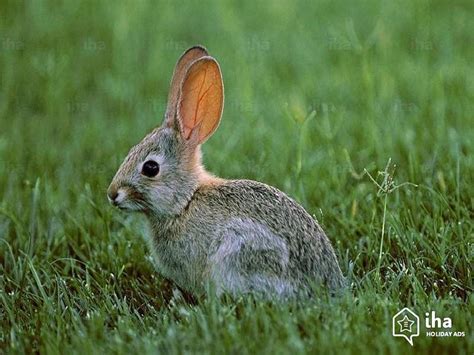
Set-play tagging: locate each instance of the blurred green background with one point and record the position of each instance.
(316, 92)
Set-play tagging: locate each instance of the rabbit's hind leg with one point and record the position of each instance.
(230, 277)
(250, 260)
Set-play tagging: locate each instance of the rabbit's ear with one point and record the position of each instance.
(182, 65)
(201, 99)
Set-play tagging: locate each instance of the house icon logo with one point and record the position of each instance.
(406, 324)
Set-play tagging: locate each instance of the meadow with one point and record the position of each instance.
(362, 112)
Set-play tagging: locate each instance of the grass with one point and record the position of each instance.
(320, 98)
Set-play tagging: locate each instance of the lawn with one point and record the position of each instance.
(362, 112)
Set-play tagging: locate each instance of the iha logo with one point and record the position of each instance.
(434, 324)
(406, 324)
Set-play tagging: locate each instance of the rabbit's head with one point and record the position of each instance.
(161, 173)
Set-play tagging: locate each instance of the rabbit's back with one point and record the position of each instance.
(310, 253)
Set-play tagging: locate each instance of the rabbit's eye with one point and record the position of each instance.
(151, 168)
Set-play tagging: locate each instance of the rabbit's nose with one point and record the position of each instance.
(112, 194)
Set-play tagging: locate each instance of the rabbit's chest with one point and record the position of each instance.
(181, 262)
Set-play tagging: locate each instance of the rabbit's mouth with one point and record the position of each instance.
(129, 206)
(123, 201)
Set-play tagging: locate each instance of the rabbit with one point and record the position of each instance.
(208, 234)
